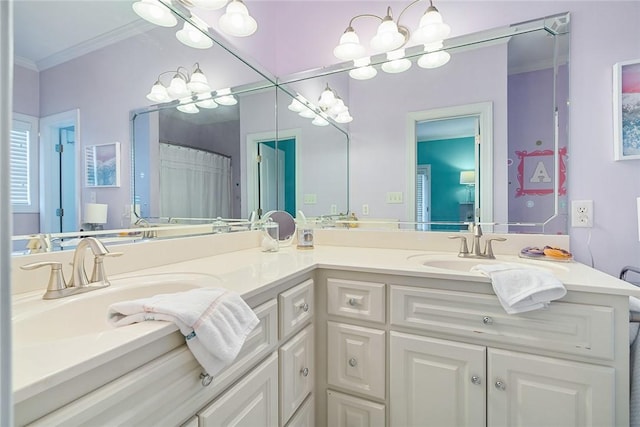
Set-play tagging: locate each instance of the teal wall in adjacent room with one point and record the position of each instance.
(288, 146)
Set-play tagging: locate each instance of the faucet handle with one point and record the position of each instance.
(56, 277)
(464, 249)
(98, 275)
(488, 248)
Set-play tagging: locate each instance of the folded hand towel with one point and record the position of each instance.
(215, 322)
(522, 289)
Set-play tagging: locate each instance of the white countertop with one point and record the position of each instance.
(41, 364)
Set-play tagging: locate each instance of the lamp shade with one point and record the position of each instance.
(431, 28)
(468, 177)
(434, 59)
(236, 20)
(154, 12)
(397, 62)
(198, 82)
(204, 100)
(387, 37)
(193, 37)
(187, 106)
(364, 70)
(224, 97)
(95, 213)
(349, 47)
(158, 93)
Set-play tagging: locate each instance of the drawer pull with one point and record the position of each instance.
(487, 320)
(206, 379)
(353, 362)
(304, 307)
(352, 302)
(500, 385)
(476, 380)
(304, 372)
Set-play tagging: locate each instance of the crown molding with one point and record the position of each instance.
(25, 63)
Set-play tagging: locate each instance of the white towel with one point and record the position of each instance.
(522, 289)
(215, 322)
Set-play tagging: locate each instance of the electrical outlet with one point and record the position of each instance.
(365, 209)
(582, 213)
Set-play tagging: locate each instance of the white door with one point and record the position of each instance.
(534, 391)
(436, 382)
(271, 178)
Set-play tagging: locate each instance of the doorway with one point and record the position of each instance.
(59, 181)
(277, 176)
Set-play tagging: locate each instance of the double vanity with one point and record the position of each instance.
(370, 328)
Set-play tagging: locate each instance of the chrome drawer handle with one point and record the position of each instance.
(206, 379)
(304, 307)
(487, 320)
(304, 372)
(353, 362)
(352, 302)
(500, 385)
(476, 380)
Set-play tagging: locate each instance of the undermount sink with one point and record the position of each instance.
(450, 262)
(85, 314)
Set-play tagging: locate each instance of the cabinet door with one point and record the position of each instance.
(296, 308)
(436, 382)
(251, 402)
(305, 417)
(533, 391)
(348, 411)
(296, 371)
(356, 358)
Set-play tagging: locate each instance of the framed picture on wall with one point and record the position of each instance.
(535, 172)
(626, 110)
(102, 165)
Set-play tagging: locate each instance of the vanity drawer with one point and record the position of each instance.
(296, 308)
(348, 411)
(580, 329)
(356, 358)
(296, 372)
(355, 299)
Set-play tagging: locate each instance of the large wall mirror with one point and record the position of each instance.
(483, 138)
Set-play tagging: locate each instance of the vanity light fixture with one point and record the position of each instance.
(330, 106)
(236, 20)
(391, 37)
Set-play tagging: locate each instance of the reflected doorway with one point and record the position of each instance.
(277, 176)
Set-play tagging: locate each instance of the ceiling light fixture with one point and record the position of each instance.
(390, 38)
(236, 20)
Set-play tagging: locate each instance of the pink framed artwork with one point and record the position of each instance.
(535, 172)
(626, 110)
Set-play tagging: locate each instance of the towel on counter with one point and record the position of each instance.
(522, 289)
(215, 322)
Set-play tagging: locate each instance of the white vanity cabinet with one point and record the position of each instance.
(455, 358)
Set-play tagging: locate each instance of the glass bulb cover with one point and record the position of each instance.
(434, 59)
(363, 73)
(344, 118)
(204, 100)
(431, 28)
(320, 121)
(187, 108)
(327, 99)
(192, 37)
(396, 66)
(236, 20)
(226, 100)
(307, 113)
(154, 12)
(158, 93)
(387, 37)
(338, 107)
(178, 88)
(296, 106)
(198, 83)
(209, 4)
(349, 47)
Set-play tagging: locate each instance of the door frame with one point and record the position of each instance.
(484, 161)
(49, 166)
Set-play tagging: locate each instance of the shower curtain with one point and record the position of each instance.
(194, 183)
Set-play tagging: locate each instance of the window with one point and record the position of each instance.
(24, 164)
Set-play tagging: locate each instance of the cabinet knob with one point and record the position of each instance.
(304, 372)
(352, 302)
(304, 307)
(487, 320)
(476, 380)
(353, 362)
(500, 385)
(206, 379)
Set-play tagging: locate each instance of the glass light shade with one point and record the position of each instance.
(327, 99)
(397, 62)
(296, 105)
(187, 107)
(178, 88)
(192, 37)
(434, 59)
(431, 27)
(432, 47)
(236, 20)
(387, 37)
(344, 117)
(363, 73)
(338, 107)
(307, 113)
(154, 12)
(205, 101)
(320, 121)
(198, 82)
(209, 4)
(158, 93)
(224, 97)
(349, 47)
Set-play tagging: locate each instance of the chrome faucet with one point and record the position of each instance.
(57, 287)
(475, 245)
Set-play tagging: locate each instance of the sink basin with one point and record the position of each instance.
(85, 314)
(452, 263)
